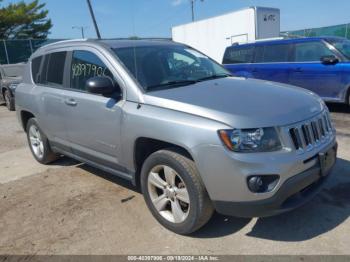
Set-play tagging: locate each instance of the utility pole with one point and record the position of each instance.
(94, 19)
(80, 28)
(192, 8)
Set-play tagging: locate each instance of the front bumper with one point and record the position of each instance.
(293, 193)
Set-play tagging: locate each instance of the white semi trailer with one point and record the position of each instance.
(211, 36)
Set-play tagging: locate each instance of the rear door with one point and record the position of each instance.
(48, 73)
(309, 72)
(94, 121)
(272, 62)
(238, 59)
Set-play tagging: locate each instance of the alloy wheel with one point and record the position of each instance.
(168, 193)
(36, 141)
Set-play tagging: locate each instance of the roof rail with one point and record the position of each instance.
(268, 39)
(64, 41)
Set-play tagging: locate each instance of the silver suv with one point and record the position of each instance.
(170, 119)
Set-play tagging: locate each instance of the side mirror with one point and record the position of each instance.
(329, 60)
(102, 85)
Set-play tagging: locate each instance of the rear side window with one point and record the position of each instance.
(36, 62)
(55, 68)
(84, 66)
(310, 51)
(272, 53)
(238, 55)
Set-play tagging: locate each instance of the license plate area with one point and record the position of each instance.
(327, 160)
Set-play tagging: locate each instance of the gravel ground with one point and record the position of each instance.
(71, 208)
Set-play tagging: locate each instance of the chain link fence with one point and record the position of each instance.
(336, 30)
(18, 51)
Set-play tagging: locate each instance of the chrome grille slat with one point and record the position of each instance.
(311, 133)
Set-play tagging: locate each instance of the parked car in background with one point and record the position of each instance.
(165, 116)
(10, 77)
(319, 64)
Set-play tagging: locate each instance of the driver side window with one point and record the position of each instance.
(311, 51)
(86, 65)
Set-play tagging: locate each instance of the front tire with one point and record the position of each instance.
(174, 192)
(39, 144)
(9, 100)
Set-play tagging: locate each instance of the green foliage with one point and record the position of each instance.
(24, 20)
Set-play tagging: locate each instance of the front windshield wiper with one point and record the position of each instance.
(213, 77)
(178, 83)
(173, 84)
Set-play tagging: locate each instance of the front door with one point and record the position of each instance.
(310, 73)
(93, 122)
(271, 62)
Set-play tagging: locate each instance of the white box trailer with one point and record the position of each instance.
(211, 36)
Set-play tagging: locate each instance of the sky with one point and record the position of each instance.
(154, 18)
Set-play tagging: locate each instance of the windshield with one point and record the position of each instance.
(167, 66)
(342, 45)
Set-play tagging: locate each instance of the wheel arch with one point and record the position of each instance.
(25, 116)
(347, 95)
(3, 89)
(144, 147)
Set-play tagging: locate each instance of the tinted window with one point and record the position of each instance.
(310, 51)
(36, 62)
(84, 66)
(238, 55)
(272, 53)
(55, 68)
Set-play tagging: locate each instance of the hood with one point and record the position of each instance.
(240, 102)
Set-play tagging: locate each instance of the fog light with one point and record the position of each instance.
(255, 184)
(262, 184)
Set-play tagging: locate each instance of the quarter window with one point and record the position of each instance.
(86, 65)
(310, 51)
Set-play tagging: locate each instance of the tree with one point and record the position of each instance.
(24, 20)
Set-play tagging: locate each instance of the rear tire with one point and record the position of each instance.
(39, 144)
(174, 192)
(9, 100)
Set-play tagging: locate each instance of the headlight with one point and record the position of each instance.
(251, 140)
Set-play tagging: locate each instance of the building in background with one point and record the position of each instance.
(211, 36)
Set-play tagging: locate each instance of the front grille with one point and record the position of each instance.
(311, 133)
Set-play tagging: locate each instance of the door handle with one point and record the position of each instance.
(70, 102)
(298, 70)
